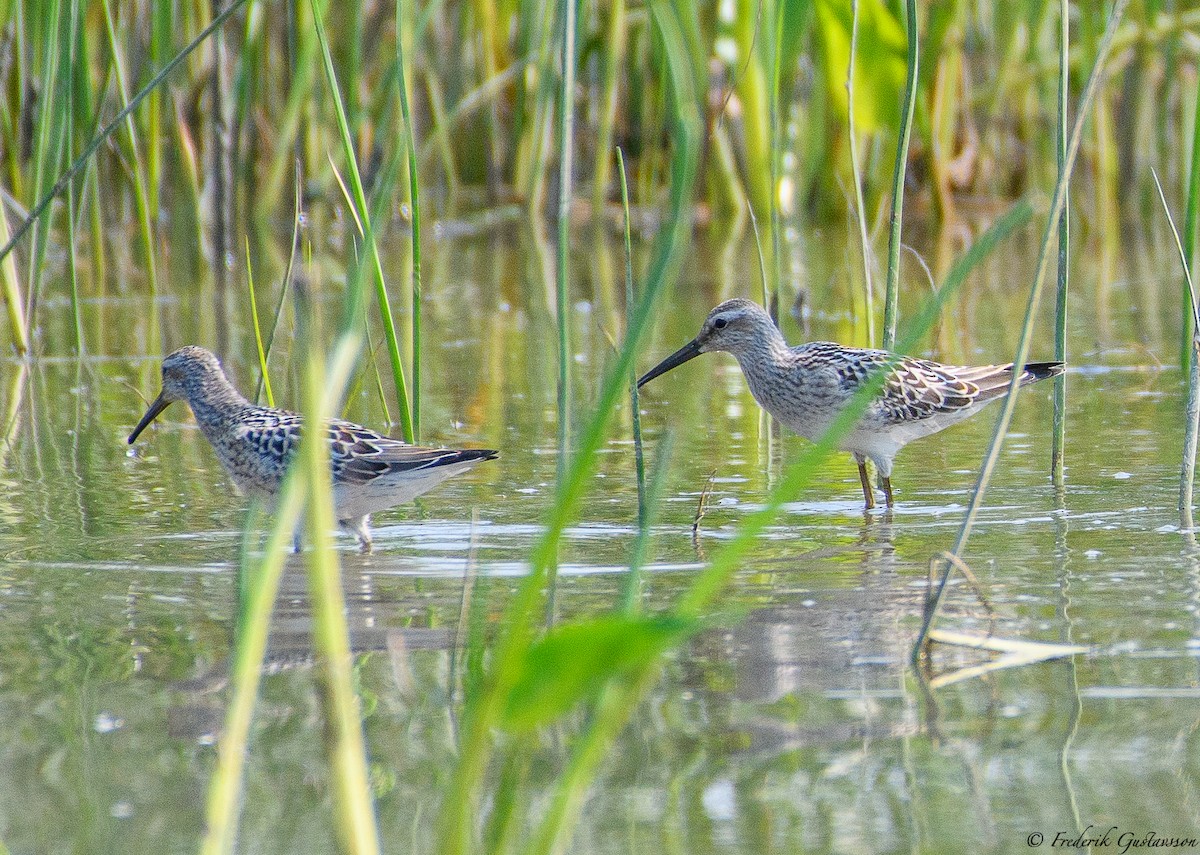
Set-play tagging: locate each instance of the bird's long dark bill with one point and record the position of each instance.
(160, 404)
(689, 351)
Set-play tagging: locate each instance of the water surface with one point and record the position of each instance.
(792, 724)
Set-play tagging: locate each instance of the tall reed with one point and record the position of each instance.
(284, 288)
(354, 812)
(566, 139)
(11, 284)
(1187, 471)
(264, 378)
(414, 207)
(1057, 205)
(777, 144)
(1190, 223)
(1058, 449)
(73, 266)
(141, 195)
(49, 141)
(860, 210)
(363, 216)
(634, 406)
(485, 706)
(891, 297)
(614, 48)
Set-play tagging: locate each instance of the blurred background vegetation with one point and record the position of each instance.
(211, 154)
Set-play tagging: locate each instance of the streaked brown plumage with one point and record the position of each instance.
(807, 386)
(371, 472)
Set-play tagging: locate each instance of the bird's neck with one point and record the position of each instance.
(764, 352)
(763, 363)
(214, 398)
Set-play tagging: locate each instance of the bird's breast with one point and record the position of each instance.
(803, 400)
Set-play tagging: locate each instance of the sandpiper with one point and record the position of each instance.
(255, 444)
(805, 387)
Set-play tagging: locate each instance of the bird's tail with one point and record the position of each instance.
(1035, 371)
(469, 455)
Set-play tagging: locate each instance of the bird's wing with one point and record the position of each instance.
(913, 389)
(361, 455)
(917, 389)
(270, 433)
(357, 454)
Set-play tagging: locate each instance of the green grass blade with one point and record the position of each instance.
(284, 286)
(856, 175)
(634, 408)
(264, 379)
(141, 201)
(1059, 430)
(1187, 473)
(354, 813)
(1057, 206)
(484, 705)
(566, 126)
(11, 283)
(225, 786)
(360, 203)
(777, 144)
(891, 296)
(414, 203)
(48, 147)
(613, 47)
(1189, 237)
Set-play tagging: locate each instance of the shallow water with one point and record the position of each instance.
(790, 725)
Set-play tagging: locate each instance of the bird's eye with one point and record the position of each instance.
(720, 324)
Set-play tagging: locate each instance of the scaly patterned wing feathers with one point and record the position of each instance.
(358, 455)
(915, 389)
(361, 455)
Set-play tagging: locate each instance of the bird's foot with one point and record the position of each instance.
(362, 530)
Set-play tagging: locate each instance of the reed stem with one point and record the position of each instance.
(1057, 205)
(367, 232)
(414, 203)
(1189, 235)
(566, 126)
(891, 297)
(1187, 472)
(855, 168)
(354, 812)
(264, 379)
(772, 306)
(1058, 448)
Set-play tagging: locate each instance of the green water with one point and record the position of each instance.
(790, 725)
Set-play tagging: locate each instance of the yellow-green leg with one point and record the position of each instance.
(868, 493)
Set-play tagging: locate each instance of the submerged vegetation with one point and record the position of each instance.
(156, 139)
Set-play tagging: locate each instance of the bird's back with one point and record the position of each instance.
(370, 471)
(808, 388)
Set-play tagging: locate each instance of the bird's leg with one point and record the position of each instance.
(887, 491)
(363, 530)
(868, 493)
(297, 548)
